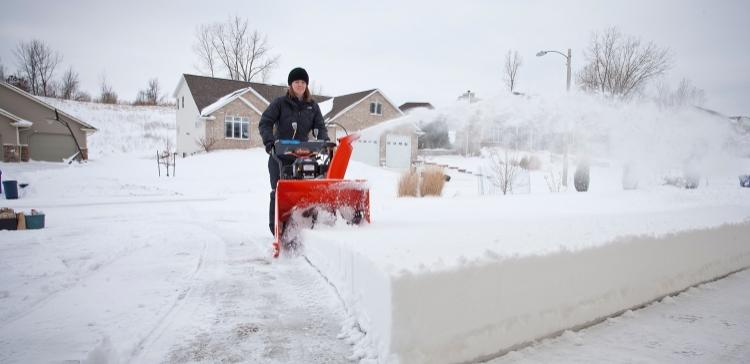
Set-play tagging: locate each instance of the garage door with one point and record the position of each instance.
(51, 147)
(367, 150)
(397, 151)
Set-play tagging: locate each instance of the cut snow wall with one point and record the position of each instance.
(480, 311)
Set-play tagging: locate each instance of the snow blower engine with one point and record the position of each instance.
(311, 179)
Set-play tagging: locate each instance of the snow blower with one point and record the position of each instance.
(311, 181)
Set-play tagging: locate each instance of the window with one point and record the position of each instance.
(236, 127)
(183, 102)
(376, 108)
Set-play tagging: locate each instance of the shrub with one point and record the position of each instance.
(407, 184)
(531, 163)
(581, 178)
(433, 181)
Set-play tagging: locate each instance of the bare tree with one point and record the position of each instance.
(69, 84)
(82, 96)
(505, 167)
(106, 94)
(241, 52)
(2, 71)
(204, 49)
(207, 143)
(620, 65)
(512, 62)
(18, 81)
(37, 63)
(151, 95)
(685, 95)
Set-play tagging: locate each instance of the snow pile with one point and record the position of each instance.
(123, 129)
(440, 282)
(468, 278)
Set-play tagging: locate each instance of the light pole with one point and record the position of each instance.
(567, 63)
(567, 85)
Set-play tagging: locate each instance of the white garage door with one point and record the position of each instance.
(367, 150)
(397, 151)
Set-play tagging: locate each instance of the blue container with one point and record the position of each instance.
(11, 189)
(34, 221)
(745, 180)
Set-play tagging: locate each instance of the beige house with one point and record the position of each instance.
(224, 114)
(33, 129)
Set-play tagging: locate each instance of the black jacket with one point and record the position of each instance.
(284, 111)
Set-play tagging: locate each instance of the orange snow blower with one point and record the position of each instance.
(312, 180)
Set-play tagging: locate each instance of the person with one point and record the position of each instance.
(292, 116)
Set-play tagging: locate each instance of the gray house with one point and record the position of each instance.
(32, 129)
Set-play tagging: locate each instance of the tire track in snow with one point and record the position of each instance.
(209, 253)
(79, 281)
(161, 325)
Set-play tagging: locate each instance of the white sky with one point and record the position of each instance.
(413, 51)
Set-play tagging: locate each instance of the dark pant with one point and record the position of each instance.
(274, 175)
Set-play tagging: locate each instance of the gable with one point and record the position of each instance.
(360, 100)
(29, 107)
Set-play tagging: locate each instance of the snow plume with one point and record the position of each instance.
(638, 132)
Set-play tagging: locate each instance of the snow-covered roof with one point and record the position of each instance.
(226, 99)
(326, 106)
(17, 121)
(40, 100)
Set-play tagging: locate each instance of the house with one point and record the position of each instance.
(33, 129)
(391, 144)
(409, 106)
(216, 113)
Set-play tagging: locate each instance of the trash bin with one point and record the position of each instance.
(11, 189)
(8, 224)
(35, 221)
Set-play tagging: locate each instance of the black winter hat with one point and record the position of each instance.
(298, 73)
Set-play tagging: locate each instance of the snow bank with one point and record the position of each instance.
(463, 306)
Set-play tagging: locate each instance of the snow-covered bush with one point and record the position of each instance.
(530, 163)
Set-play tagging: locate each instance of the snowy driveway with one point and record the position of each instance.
(157, 277)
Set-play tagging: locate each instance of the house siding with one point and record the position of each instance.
(359, 117)
(190, 127)
(44, 124)
(215, 128)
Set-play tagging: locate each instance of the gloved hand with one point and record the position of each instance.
(269, 148)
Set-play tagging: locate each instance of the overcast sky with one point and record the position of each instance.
(412, 50)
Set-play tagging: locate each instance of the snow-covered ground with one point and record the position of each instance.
(133, 267)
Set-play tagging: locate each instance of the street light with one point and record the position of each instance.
(565, 142)
(567, 62)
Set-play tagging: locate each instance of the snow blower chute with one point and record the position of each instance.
(312, 177)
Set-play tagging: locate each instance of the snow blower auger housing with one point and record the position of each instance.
(312, 177)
